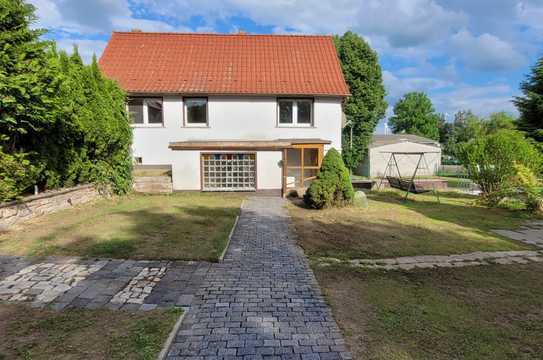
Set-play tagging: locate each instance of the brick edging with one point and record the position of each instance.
(221, 258)
(171, 336)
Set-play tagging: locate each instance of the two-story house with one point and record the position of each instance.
(230, 112)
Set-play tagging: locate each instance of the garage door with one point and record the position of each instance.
(229, 172)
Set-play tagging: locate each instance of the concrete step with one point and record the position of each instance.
(152, 179)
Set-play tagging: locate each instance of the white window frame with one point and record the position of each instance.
(146, 112)
(185, 113)
(295, 113)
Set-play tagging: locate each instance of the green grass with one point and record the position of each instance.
(487, 312)
(83, 334)
(188, 226)
(391, 227)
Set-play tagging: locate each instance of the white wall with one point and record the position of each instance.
(185, 169)
(378, 158)
(231, 118)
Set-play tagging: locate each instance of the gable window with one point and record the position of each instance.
(145, 111)
(196, 112)
(295, 112)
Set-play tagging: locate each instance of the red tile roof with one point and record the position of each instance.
(224, 64)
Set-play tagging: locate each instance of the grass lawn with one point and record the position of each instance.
(390, 227)
(82, 334)
(487, 312)
(188, 226)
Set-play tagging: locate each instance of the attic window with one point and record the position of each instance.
(196, 112)
(145, 111)
(295, 112)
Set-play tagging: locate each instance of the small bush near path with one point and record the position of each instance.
(486, 312)
(83, 334)
(390, 227)
(333, 186)
(185, 226)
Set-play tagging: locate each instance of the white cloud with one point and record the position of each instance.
(403, 23)
(486, 52)
(86, 48)
(482, 100)
(408, 23)
(398, 86)
(530, 13)
(94, 17)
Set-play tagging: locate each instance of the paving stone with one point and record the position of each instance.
(263, 297)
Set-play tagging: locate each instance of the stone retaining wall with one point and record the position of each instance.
(15, 212)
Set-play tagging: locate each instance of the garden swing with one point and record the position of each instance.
(406, 184)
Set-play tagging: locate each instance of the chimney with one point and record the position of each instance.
(136, 30)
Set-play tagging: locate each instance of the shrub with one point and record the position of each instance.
(490, 162)
(16, 175)
(333, 186)
(529, 188)
(66, 114)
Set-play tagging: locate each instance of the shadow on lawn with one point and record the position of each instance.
(187, 233)
(457, 208)
(357, 233)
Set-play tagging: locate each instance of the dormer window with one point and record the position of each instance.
(295, 112)
(145, 111)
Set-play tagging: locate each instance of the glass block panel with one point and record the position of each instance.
(229, 172)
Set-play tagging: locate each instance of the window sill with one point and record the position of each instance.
(297, 126)
(147, 126)
(203, 126)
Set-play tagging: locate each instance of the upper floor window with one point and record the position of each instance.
(295, 112)
(196, 112)
(145, 111)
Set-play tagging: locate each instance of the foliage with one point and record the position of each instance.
(466, 126)
(529, 187)
(28, 86)
(415, 114)
(333, 186)
(366, 105)
(16, 174)
(62, 117)
(490, 161)
(530, 105)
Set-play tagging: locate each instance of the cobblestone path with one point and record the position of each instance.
(263, 301)
(69, 282)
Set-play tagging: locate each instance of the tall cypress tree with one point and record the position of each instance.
(366, 105)
(28, 87)
(530, 105)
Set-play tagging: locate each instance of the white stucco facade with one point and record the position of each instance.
(231, 118)
(375, 163)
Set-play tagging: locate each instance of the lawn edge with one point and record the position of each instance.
(221, 258)
(171, 336)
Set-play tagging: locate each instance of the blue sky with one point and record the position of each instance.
(466, 54)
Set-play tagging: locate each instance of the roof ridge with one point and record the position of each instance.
(219, 34)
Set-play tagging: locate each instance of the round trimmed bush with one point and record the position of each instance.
(333, 186)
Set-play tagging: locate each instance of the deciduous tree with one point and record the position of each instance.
(415, 114)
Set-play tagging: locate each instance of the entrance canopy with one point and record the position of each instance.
(226, 145)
